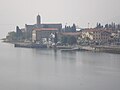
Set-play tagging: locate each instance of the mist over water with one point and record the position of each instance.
(41, 69)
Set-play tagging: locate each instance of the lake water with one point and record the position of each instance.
(35, 69)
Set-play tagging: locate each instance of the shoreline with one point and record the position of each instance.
(107, 49)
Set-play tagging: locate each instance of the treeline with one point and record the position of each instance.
(70, 40)
(112, 26)
(70, 28)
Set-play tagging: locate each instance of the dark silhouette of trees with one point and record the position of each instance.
(64, 39)
(19, 34)
(111, 26)
(99, 25)
(70, 28)
(73, 28)
(11, 36)
(68, 40)
(71, 40)
(106, 26)
(56, 38)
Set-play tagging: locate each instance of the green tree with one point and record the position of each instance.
(71, 40)
(74, 28)
(64, 39)
(56, 38)
(11, 36)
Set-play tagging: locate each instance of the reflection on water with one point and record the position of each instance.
(69, 55)
(42, 69)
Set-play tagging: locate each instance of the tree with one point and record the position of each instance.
(11, 36)
(74, 28)
(70, 28)
(56, 38)
(64, 39)
(106, 26)
(19, 34)
(71, 40)
(99, 25)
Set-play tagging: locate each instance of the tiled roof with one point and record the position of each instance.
(71, 33)
(46, 29)
(95, 30)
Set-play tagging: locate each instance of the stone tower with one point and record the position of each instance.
(38, 20)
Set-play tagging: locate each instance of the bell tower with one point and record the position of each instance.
(38, 19)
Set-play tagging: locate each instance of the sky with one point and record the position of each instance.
(81, 12)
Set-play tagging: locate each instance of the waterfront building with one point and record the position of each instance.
(41, 32)
(39, 25)
(75, 34)
(96, 35)
(43, 35)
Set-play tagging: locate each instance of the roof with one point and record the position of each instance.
(51, 23)
(46, 29)
(95, 30)
(71, 33)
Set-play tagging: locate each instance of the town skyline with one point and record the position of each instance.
(45, 33)
(88, 25)
(80, 12)
(59, 45)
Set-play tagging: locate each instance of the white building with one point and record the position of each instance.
(43, 34)
(98, 35)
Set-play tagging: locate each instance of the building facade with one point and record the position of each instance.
(42, 35)
(29, 28)
(97, 35)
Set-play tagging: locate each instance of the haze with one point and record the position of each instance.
(80, 12)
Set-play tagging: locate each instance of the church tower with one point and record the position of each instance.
(38, 20)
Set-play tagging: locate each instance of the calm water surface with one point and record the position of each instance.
(35, 69)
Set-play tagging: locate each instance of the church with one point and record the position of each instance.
(40, 30)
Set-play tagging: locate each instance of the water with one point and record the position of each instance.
(35, 69)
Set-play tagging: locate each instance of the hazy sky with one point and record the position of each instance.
(80, 12)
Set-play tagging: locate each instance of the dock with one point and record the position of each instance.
(30, 45)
